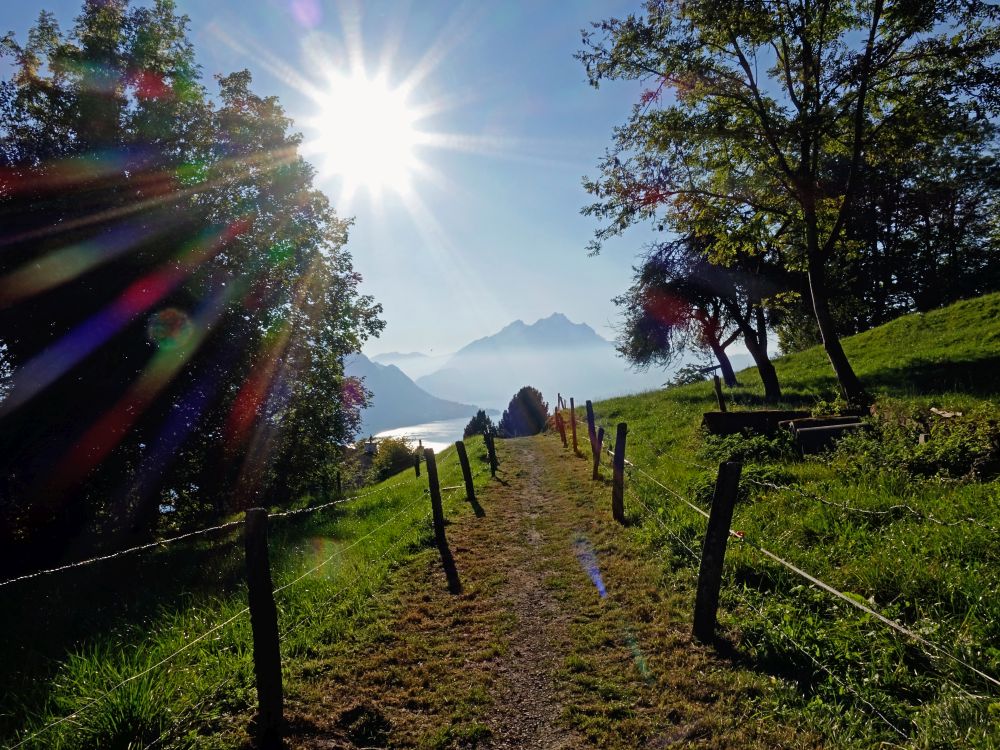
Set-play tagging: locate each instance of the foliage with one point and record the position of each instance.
(526, 414)
(680, 300)
(667, 310)
(959, 447)
(688, 374)
(755, 479)
(834, 407)
(797, 330)
(747, 448)
(176, 295)
(481, 424)
(395, 454)
(789, 129)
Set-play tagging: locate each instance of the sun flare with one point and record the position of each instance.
(366, 134)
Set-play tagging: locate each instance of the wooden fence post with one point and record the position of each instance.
(618, 479)
(597, 453)
(591, 427)
(713, 552)
(572, 422)
(447, 561)
(562, 428)
(416, 462)
(491, 450)
(718, 393)
(264, 624)
(463, 459)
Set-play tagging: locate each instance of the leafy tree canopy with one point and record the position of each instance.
(765, 121)
(526, 414)
(394, 455)
(175, 295)
(481, 424)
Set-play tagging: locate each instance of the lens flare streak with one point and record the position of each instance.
(67, 263)
(138, 297)
(107, 432)
(588, 561)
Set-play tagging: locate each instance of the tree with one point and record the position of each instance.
(175, 295)
(778, 112)
(480, 424)
(664, 317)
(924, 230)
(526, 414)
(395, 454)
(681, 300)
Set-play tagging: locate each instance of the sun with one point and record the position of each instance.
(365, 133)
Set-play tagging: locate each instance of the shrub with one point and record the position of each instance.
(835, 408)
(479, 425)
(962, 446)
(526, 414)
(688, 374)
(394, 455)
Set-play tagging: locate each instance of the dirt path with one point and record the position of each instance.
(563, 637)
(527, 711)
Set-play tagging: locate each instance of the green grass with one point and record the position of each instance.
(873, 538)
(72, 639)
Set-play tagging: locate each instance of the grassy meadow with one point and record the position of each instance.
(153, 649)
(909, 529)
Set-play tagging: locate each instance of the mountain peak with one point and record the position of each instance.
(556, 317)
(554, 332)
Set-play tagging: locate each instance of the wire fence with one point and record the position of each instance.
(161, 543)
(365, 572)
(932, 651)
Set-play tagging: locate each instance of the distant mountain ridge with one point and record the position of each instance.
(392, 357)
(398, 401)
(556, 331)
(554, 354)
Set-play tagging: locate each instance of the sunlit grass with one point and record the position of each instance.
(874, 538)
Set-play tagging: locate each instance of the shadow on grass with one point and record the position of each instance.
(476, 507)
(978, 377)
(633, 520)
(450, 569)
(800, 672)
(45, 619)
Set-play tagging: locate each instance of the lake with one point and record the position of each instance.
(436, 435)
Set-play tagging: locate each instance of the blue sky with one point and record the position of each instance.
(494, 232)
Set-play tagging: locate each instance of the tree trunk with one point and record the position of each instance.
(752, 324)
(768, 375)
(728, 374)
(850, 385)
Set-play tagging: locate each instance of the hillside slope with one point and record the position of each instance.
(885, 518)
(398, 401)
(952, 350)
